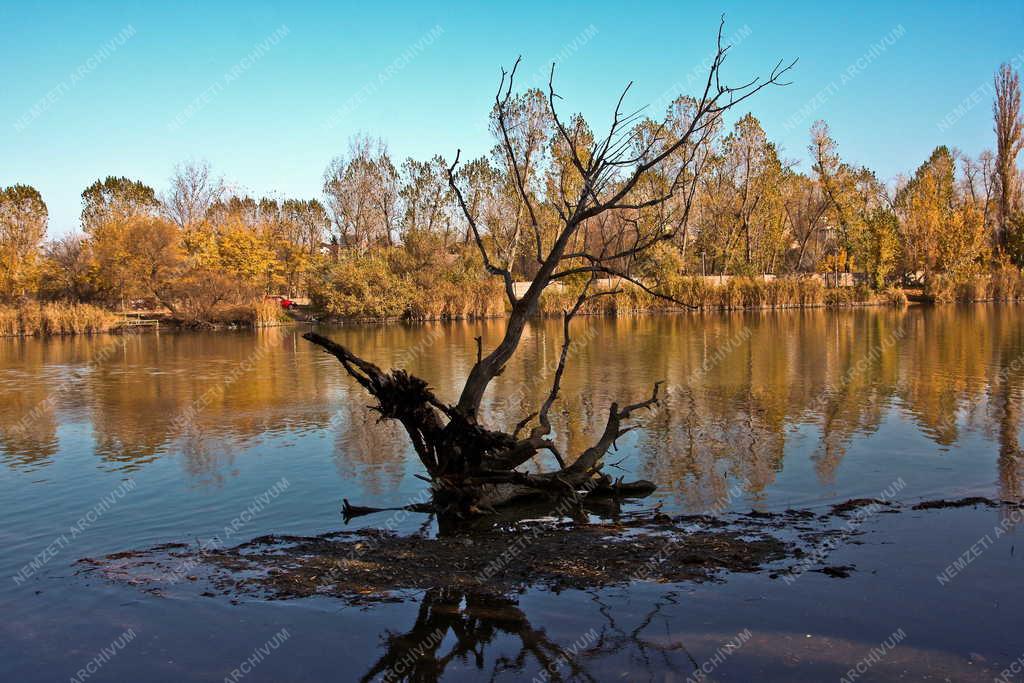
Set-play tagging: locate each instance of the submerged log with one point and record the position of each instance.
(350, 512)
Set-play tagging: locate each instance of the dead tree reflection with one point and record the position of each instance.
(475, 621)
(454, 627)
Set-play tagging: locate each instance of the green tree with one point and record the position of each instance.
(878, 246)
(116, 199)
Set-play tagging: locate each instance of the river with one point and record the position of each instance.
(110, 443)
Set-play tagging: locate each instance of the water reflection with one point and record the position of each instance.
(492, 634)
(660, 635)
(747, 392)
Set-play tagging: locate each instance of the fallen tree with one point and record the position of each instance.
(591, 209)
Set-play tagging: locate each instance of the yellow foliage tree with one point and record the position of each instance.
(248, 256)
(23, 218)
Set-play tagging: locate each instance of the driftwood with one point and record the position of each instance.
(471, 468)
(607, 202)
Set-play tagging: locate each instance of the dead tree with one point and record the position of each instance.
(604, 203)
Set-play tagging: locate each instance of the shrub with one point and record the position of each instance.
(895, 297)
(418, 283)
(257, 313)
(202, 297)
(1004, 283)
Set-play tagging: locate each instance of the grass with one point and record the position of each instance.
(39, 320)
(467, 300)
(1003, 284)
(34, 319)
(259, 313)
(734, 294)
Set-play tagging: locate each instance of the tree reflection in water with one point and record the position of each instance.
(456, 627)
(829, 376)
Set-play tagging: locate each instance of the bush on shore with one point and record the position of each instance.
(412, 284)
(259, 313)
(1004, 283)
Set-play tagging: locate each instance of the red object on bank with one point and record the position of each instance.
(285, 302)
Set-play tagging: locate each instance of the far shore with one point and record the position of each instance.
(134, 322)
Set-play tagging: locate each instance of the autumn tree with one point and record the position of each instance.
(308, 224)
(940, 232)
(68, 269)
(1008, 124)
(245, 254)
(805, 206)
(926, 204)
(978, 183)
(193, 192)
(362, 194)
(132, 257)
(297, 234)
(877, 246)
(828, 170)
(604, 206)
(156, 257)
(427, 200)
(745, 232)
(859, 208)
(1016, 238)
(115, 199)
(23, 218)
(872, 232)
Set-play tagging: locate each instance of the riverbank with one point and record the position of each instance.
(35, 319)
(736, 294)
(739, 294)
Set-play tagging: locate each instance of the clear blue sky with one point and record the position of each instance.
(264, 130)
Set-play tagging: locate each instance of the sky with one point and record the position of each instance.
(269, 92)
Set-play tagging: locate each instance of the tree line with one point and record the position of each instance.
(392, 238)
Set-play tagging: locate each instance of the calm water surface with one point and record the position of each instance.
(112, 443)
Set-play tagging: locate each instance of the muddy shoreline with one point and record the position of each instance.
(370, 565)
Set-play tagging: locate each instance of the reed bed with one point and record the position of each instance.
(258, 313)
(371, 289)
(34, 319)
(457, 300)
(734, 294)
(1004, 284)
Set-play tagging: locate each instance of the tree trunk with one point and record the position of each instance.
(471, 468)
